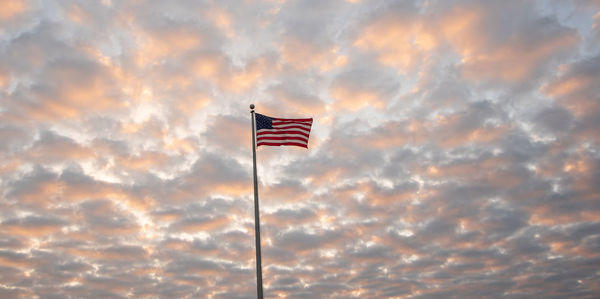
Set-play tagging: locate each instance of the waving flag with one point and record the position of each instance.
(282, 131)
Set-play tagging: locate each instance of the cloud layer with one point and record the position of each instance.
(454, 152)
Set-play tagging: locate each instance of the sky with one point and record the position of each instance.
(452, 153)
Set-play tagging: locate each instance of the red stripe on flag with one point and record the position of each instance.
(260, 133)
(283, 143)
(292, 119)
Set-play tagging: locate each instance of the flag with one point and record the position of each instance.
(274, 131)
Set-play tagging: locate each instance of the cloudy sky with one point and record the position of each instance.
(452, 154)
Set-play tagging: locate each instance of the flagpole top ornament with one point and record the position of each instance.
(252, 106)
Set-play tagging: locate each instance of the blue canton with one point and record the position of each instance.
(263, 122)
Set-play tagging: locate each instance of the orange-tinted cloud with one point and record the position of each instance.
(76, 14)
(514, 58)
(576, 87)
(515, 61)
(303, 55)
(153, 46)
(143, 161)
(290, 97)
(408, 41)
(201, 224)
(354, 99)
(32, 226)
(72, 89)
(240, 80)
(4, 78)
(215, 68)
(208, 65)
(285, 192)
(362, 87)
(223, 20)
(11, 9)
(400, 42)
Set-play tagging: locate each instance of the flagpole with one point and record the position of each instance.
(259, 286)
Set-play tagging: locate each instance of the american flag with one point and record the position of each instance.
(274, 131)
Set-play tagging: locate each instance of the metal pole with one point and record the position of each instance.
(259, 286)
